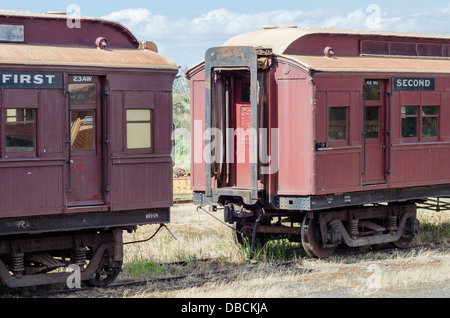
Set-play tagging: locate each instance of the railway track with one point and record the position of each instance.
(192, 278)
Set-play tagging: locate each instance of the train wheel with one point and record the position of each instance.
(312, 239)
(106, 272)
(243, 233)
(411, 228)
(104, 277)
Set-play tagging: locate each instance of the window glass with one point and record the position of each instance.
(138, 128)
(20, 130)
(245, 92)
(372, 89)
(337, 123)
(430, 121)
(372, 122)
(409, 121)
(83, 93)
(82, 130)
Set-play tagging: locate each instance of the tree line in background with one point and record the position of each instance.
(181, 147)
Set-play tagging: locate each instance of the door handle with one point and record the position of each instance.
(383, 146)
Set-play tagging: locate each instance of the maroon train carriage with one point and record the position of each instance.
(85, 142)
(321, 135)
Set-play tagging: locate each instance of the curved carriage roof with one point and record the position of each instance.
(292, 43)
(280, 39)
(48, 40)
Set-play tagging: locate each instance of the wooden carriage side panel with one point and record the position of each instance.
(197, 83)
(139, 184)
(421, 161)
(338, 163)
(52, 105)
(34, 185)
(443, 84)
(27, 191)
(162, 130)
(116, 120)
(141, 178)
(295, 111)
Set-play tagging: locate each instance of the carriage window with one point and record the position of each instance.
(84, 93)
(337, 124)
(430, 121)
(420, 121)
(245, 92)
(82, 130)
(139, 128)
(372, 89)
(372, 122)
(409, 121)
(20, 129)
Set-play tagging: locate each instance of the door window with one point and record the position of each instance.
(82, 130)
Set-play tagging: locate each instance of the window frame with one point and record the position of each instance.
(23, 153)
(419, 124)
(147, 150)
(343, 142)
(415, 138)
(437, 116)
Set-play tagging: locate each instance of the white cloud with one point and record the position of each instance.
(186, 40)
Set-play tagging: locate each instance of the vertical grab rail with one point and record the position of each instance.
(107, 141)
(364, 132)
(388, 171)
(69, 143)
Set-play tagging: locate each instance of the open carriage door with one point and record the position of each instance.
(84, 185)
(241, 66)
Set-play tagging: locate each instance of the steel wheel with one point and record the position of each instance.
(106, 272)
(312, 239)
(411, 227)
(104, 277)
(246, 237)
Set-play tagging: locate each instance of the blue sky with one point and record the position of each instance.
(184, 30)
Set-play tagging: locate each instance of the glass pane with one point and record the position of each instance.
(84, 93)
(245, 92)
(138, 135)
(372, 89)
(138, 115)
(337, 126)
(82, 130)
(372, 122)
(20, 130)
(409, 127)
(429, 127)
(409, 110)
(429, 110)
(19, 137)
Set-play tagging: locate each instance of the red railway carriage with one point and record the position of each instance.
(338, 131)
(85, 135)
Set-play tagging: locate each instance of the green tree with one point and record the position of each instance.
(181, 154)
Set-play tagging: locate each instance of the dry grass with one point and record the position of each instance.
(397, 273)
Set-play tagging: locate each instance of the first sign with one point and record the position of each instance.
(16, 79)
